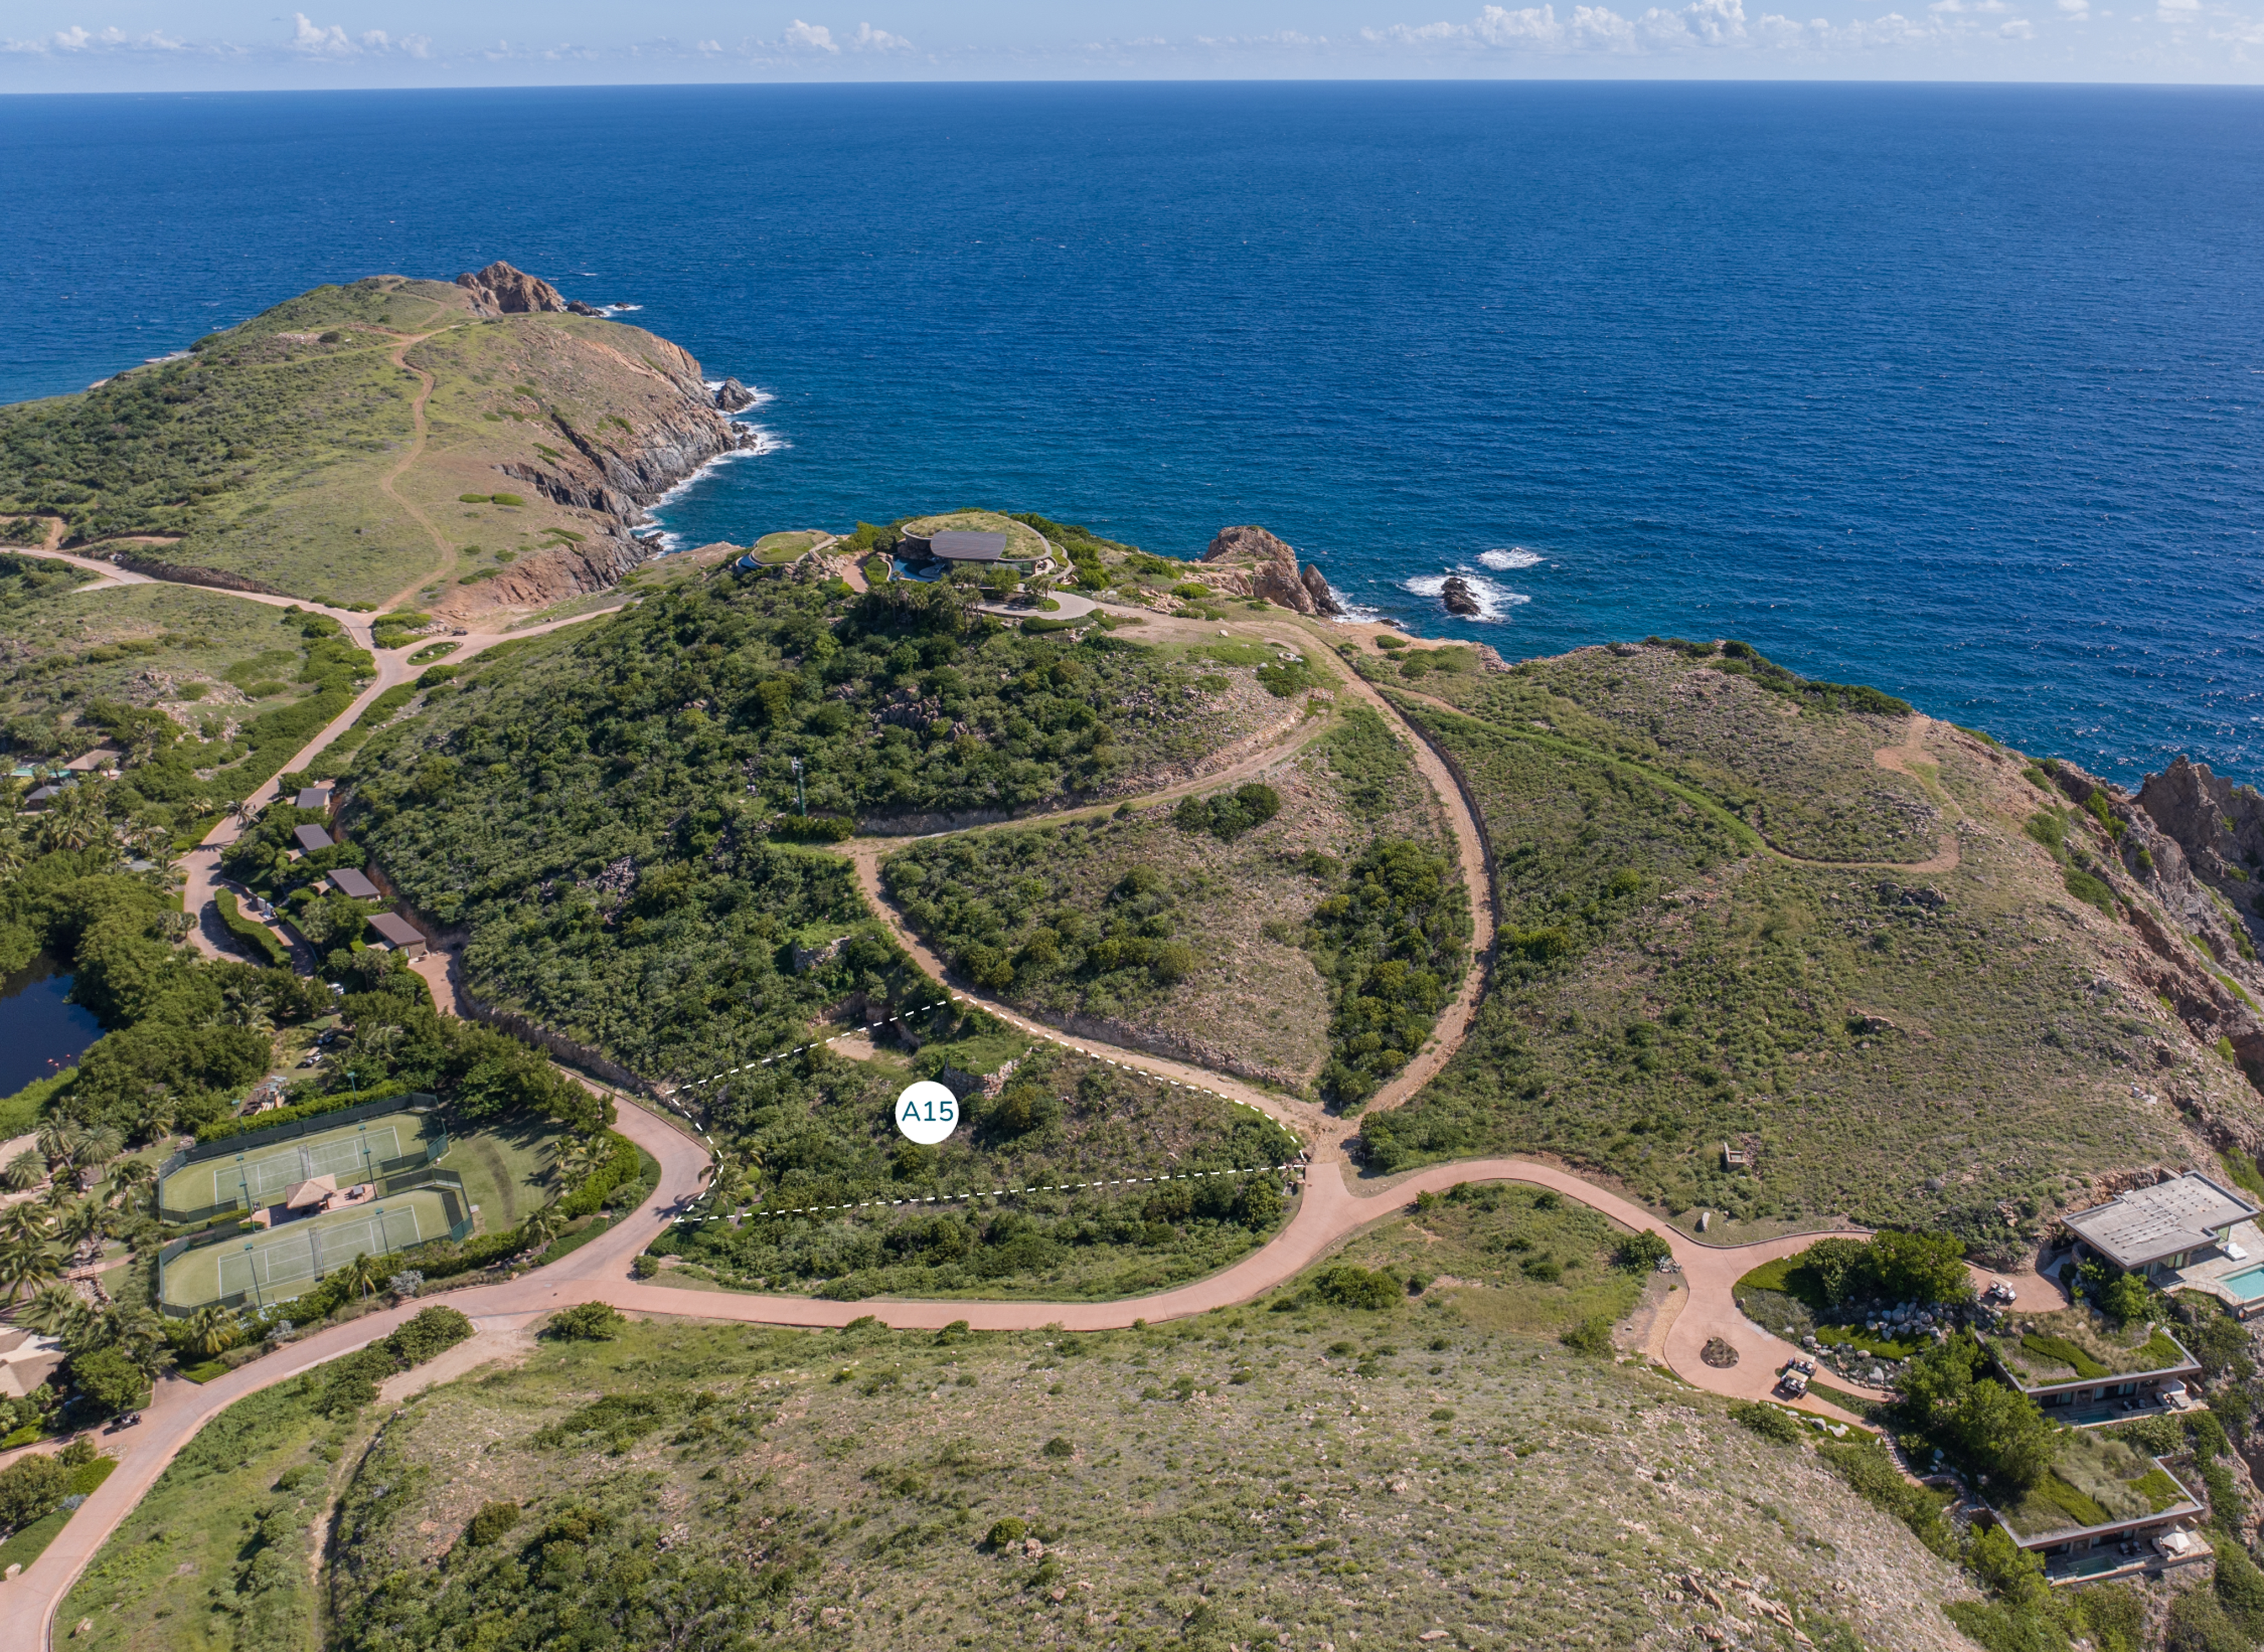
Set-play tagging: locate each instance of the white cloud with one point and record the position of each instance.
(869, 38)
(2076, 8)
(810, 37)
(2018, 29)
(314, 41)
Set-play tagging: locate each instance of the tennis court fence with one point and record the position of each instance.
(253, 1142)
(274, 1287)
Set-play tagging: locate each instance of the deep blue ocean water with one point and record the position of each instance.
(1950, 389)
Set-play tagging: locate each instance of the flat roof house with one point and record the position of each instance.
(312, 837)
(2086, 1373)
(347, 880)
(2164, 1227)
(398, 932)
(2105, 1509)
(967, 544)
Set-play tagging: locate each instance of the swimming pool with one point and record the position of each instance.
(2245, 1286)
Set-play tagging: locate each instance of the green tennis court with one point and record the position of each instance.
(351, 1153)
(280, 1263)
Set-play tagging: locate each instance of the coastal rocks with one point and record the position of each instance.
(1249, 561)
(576, 307)
(1456, 597)
(501, 290)
(2220, 826)
(731, 397)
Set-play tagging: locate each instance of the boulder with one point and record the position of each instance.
(1458, 597)
(501, 290)
(731, 395)
(1248, 561)
(576, 307)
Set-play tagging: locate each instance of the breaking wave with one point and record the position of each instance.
(1515, 557)
(1494, 600)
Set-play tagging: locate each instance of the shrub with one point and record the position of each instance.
(490, 1523)
(1593, 1336)
(2240, 1585)
(111, 1382)
(2199, 1624)
(590, 1322)
(1005, 1533)
(814, 828)
(1228, 815)
(31, 1487)
(1058, 1447)
(1348, 1284)
(1385, 640)
(2087, 889)
(432, 1331)
(645, 1267)
(1768, 1421)
(1642, 1251)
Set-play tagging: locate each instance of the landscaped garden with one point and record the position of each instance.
(2092, 1481)
(2077, 1344)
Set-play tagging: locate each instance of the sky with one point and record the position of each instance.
(81, 46)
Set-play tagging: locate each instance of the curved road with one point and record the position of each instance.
(1328, 1211)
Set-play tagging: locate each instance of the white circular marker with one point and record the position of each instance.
(927, 1113)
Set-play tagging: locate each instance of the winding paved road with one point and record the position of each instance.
(1329, 1209)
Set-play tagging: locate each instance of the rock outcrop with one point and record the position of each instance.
(1458, 599)
(731, 397)
(501, 290)
(1249, 561)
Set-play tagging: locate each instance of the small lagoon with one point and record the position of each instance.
(41, 1030)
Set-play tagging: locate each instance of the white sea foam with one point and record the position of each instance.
(762, 441)
(1494, 600)
(1515, 557)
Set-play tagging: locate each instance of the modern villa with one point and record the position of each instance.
(2104, 1511)
(968, 547)
(2085, 1373)
(399, 932)
(2189, 1232)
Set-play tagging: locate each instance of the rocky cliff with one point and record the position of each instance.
(501, 290)
(1250, 562)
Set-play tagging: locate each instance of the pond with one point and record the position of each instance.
(41, 1030)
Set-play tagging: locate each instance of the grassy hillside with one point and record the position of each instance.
(208, 694)
(284, 450)
(1193, 928)
(1965, 1047)
(1246, 1479)
(594, 806)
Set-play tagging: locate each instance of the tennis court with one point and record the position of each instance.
(280, 1263)
(258, 1177)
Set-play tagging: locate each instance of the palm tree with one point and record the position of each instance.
(53, 1309)
(24, 1266)
(129, 1176)
(374, 1046)
(58, 1141)
(81, 1222)
(212, 1331)
(58, 1194)
(134, 1330)
(98, 1147)
(26, 1172)
(24, 1223)
(362, 1276)
(542, 1226)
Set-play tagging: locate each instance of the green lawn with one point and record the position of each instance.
(784, 548)
(507, 1172)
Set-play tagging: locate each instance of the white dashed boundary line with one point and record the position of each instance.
(996, 1192)
(669, 1096)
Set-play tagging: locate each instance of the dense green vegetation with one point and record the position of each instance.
(816, 1132)
(599, 814)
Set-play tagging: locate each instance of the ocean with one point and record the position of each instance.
(1949, 390)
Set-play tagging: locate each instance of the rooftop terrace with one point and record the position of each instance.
(2153, 1224)
(2072, 1345)
(2094, 1481)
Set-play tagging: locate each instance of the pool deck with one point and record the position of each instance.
(2212, 1274)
